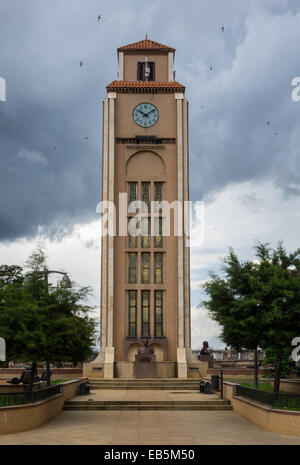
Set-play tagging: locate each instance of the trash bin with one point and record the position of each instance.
(207, 388)
(202, 385)
(215, 382)
(82, 389)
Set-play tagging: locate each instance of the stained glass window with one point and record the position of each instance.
(132, 240)
(132, 191)
(132, 313)
(146, 196)
(158, 186)
(145, 313)
(158, 314)
(158, 268)
(132, 268)
(158, 239)
(145, 232)
(146, 268)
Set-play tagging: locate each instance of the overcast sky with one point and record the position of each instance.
(246, 170)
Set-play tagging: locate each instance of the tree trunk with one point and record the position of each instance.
(255, 369)
(277, 373)
(48, 373)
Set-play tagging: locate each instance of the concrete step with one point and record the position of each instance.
(144, 405)
(150, 407)
(218, 408)
(145, 383)
(149, 402)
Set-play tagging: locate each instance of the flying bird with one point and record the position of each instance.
(81, 64)
(222, 28)
(211, 68)
(268, 123)
(99, 17)
(86, 138)
(275, 133)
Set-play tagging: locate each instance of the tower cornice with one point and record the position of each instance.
(146, 87)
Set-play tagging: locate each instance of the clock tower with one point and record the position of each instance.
(145, 277)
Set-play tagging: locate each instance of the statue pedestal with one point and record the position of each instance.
(208, 359)
(145, 366)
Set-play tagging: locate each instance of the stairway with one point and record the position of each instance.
(169, 384)
(215, 404)
(183, 394)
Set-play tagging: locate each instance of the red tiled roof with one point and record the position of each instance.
(145, 86)
(146, 45)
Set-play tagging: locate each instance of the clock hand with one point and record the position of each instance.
(144, 114)
(150, 112)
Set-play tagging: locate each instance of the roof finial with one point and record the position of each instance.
(146, 34)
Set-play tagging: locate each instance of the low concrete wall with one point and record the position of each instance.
(70, 389)
(24, 417)
(197, 369)
(277, 421)
(290, 386)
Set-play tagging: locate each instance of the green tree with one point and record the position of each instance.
(10, 274)
(258, 303)
(233, 305)
(278, 291)
(41, 322)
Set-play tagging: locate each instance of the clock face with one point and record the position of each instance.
(145, 115)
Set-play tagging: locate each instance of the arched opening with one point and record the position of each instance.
(145, 165)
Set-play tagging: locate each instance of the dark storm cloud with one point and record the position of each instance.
(50, 173)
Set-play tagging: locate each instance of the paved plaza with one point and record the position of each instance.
(174, 427)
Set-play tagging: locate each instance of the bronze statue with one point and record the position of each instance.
(145, 348)
(205, 350)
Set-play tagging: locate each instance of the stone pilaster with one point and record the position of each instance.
(181, 356)
(121, 66)
(186, 248)
(107, 277)
(171, 66)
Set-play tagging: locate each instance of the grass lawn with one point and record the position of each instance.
(58, 381)
(261, 386)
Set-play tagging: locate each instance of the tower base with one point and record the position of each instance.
(125, 370)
